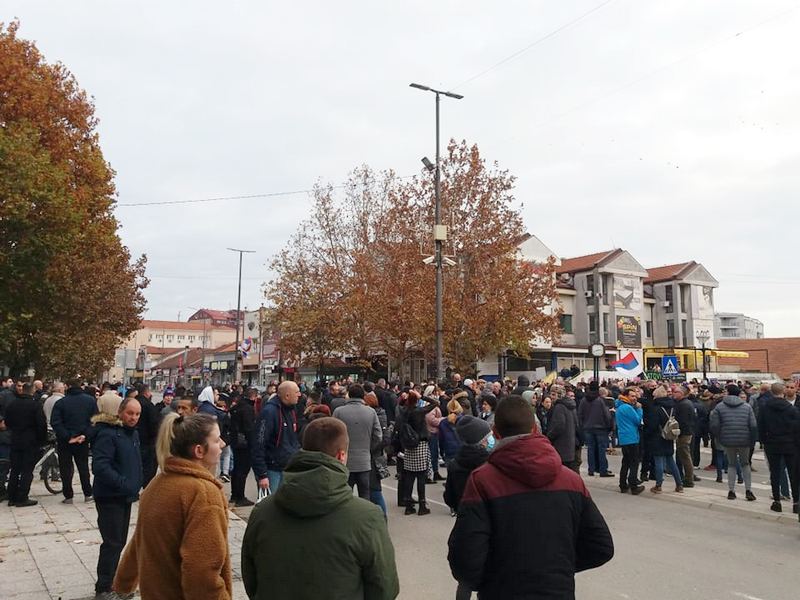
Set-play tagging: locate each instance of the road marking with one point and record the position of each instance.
(427, 500)
(746, 596)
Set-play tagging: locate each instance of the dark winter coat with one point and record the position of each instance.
(701, 427)
(116, 459)
(593, 414)
(468, 458)
(562, 430)
(72, 414)
(275, 438)
(655, 416)
(148, 422)
(777, 420)
(733, 423)
(388, 402)
(24, 417)
(686, 416)
(243, 418)
(7, 396)
(526, 524)
(449, 442)
(314, 519)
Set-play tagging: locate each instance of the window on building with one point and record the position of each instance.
(668, 297)
(670, 333)
(170, 338)
(684, 337)
(590, 289)
(606, 336)
(191, 338)
(160, 338)
(592, 328)
(648, 329)
(150, 337)
(180, 338)
(684, 289)
(566, 323)
(606, 288)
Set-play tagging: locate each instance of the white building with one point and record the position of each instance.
(737, 326)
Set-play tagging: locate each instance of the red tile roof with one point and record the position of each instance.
(193, 356)
(147, 324)
(584, 263)
(667, 272)
(774, 355)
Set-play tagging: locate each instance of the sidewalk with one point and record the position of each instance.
(49, 551)
(707, 493)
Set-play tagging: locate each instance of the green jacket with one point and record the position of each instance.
(313, 539)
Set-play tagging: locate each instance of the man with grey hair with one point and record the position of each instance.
(50, 402)
(777, 422)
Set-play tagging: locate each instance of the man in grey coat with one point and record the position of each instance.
(364, 431)
(733, 424)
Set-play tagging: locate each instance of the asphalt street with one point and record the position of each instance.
(663, 550)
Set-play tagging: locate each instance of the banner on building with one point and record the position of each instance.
(627, 293)
(629, 332)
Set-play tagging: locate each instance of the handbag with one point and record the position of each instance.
(263, 493)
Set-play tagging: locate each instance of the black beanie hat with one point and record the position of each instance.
(472, 430)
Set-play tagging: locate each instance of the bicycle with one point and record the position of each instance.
(48, 468)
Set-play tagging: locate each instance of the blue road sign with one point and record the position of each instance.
(669, 365)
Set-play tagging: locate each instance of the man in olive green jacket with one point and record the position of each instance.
(314, 520)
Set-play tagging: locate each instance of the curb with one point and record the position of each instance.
(730, 508)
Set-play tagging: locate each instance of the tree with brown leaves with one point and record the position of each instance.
(68, 290)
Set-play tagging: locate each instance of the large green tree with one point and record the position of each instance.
(69, 291)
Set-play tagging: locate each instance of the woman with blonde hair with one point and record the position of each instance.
(449, 442)
(180, 547)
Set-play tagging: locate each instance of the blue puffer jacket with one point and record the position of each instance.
(276, 439)
(629, 418)
(116, 459)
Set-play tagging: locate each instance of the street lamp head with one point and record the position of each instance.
(428, 164)
(453, 95)
(420, 87)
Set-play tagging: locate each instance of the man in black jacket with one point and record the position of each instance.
(687, 421)
(777, 424)
(7, 396)
(71, 420)
(243, 418)
(148, 432)
(25, 419)
(523, 502)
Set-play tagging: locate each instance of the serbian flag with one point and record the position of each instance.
(245, 346)
(627, 365)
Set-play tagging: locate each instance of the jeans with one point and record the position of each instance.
(696, 451)
(275, 480)
(225, 461)
(361, 481)
(23, 460)
(738, 456)
(241, 467)
(596, 444)
(433, 445)
(673, 468)
(630, 466)
(113, 520)
(721, 462)
(376, 497)
(80, 454)
(684, 455)
(776, 462)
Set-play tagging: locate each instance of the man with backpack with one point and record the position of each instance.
(661, 429)
(687, 421)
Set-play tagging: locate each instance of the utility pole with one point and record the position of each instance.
(236, 362)
(439, 233)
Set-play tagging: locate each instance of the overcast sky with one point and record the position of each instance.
(666, 128)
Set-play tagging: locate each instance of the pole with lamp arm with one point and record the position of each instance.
(439, 232)
(236, 365)
(703, 336)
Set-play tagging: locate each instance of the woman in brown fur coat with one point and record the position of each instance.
(180, 547)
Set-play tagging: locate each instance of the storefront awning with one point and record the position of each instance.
(696, 351)
(728, 353)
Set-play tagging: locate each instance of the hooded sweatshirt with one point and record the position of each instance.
(523, 504)
(314, 519)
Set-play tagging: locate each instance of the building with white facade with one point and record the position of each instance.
(737, 326)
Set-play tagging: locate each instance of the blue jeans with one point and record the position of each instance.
(433, 445)
(596, 444)
(660, 461)
(721, 462)
(376, 497)
(275, 480)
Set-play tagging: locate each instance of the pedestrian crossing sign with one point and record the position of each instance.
(669, 365)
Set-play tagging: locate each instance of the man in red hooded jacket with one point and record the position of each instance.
(523, 502)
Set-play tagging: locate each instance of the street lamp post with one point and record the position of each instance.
(236, 375)
(703, 336)
(439, 232)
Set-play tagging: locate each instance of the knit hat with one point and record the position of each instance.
(523, 381)
(468, 382)
(169, 392)
(472, 430)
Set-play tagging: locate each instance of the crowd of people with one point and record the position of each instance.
(496, 446)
